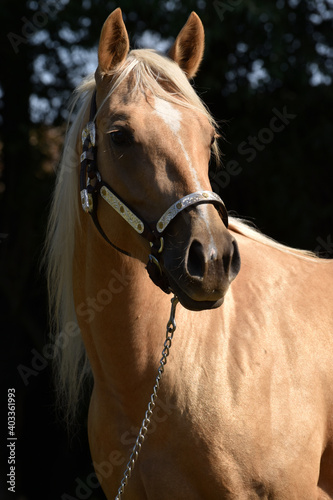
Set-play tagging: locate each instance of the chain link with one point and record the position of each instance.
(170, 330)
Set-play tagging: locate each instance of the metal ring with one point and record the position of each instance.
(155, 261)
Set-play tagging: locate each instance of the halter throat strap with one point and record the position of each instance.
(92, 186)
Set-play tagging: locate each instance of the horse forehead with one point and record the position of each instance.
(168, 113)
(147, 112)
(178, 117)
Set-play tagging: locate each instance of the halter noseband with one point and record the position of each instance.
(92, 185)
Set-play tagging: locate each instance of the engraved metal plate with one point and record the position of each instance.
(122, 209)
(187, 201)
(86, 201)
(89, 130)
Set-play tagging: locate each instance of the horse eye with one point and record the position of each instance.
(120, 137)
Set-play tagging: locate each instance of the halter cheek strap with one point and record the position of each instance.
(92, 186)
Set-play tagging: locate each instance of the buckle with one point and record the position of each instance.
(86, 200)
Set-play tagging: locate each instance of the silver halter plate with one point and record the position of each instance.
(167, 217)
(185, 202)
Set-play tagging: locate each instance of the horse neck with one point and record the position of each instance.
(121, 313)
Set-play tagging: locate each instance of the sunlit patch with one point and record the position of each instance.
(170, 115)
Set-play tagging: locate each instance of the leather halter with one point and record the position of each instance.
(92, 185)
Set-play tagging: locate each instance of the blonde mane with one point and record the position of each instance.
(163, 78)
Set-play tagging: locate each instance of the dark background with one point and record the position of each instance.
(261, 59)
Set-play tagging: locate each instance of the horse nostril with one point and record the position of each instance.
(235, 262)
(204, 263)
(196, 260)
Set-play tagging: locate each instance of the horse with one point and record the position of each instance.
(245, 407)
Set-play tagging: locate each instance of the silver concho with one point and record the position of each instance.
(89, 131)
(86, 201)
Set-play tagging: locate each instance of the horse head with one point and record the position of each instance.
(153, 147)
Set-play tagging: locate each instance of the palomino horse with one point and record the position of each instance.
(245, 408)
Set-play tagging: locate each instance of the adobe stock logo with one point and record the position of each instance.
(324, 246)
(277, 123)
(30, 26)
(222, 8)
(87, 310)
(251, 147)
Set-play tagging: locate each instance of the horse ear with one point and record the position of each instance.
(189, 45)
(113, 44)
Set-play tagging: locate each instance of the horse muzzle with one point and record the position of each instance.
(199, 261)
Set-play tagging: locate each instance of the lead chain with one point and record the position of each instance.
(170, 330)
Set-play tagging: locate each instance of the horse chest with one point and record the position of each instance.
(249, 442)
(231, 457)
